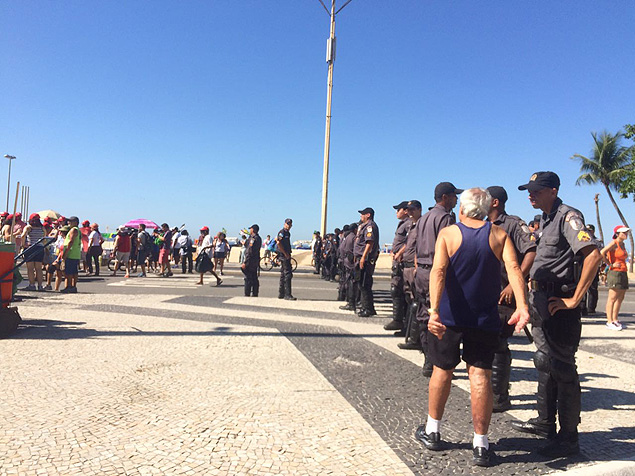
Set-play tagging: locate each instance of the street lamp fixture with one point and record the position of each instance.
(10, 157)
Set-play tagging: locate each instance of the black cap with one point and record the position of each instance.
(337, 231)
(346, 228)
(367, 210)
(414, 204)
(353, 226)
(498, 192)
(403, 204)
(289, 221)
(255, 227)
(445, 188)
(541, 180)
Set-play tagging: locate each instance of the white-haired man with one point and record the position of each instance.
(465, 284)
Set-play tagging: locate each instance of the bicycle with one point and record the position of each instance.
(121, 267)
(267, 263)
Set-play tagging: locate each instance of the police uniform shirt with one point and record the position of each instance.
(252, 250)
(411, 243)
(520, 235)
(366, 232)
(428, 229)
(561, 235)
(284, 240)
(401, 234)
(347, 248)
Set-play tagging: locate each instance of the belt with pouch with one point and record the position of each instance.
(408, 265)
(424, 266)
(558, 289)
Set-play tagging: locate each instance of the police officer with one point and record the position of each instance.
(341, 289)
(327, 256)
(317, 252)
(335, 237)
(365, 253)
(251, 261)
(396, 276)
(349, 267)
(556, 293)
(525, 248)
(283, 240)
(406, 258)
(428, 228)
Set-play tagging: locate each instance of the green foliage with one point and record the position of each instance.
(608, 163)
(627, 186)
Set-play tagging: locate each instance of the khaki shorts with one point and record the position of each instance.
(617, 280)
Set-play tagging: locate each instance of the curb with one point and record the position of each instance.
(612, 468)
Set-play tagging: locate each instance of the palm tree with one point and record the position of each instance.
(607, 165)
(597, 215)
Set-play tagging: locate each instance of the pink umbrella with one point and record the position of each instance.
(140, 221)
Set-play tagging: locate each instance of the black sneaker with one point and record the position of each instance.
(410, 345)
(534, 427)
(432, 441)
(290, 298)
(482, 456)
(501, 404)
(348, 307)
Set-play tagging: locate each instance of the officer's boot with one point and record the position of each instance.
(398, 310)
(281, 290)
(364, 303)
(255, 288)
(350, 297)
(340, 291)
(569, 407)
(545, 424)
(287, 290)
(501, 372)
(413, 330)
(247, 287)
(370, 305)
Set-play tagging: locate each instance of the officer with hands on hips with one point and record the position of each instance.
(566, 261)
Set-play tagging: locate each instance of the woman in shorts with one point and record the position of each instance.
(221, 251)
(33, 232)
(617, 278)
(205, 247)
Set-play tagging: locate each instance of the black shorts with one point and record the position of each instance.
(478, 348)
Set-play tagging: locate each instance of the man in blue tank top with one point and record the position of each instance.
(465, 285)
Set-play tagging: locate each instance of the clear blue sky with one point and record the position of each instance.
(212, 112)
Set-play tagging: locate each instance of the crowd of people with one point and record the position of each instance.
(460, 289)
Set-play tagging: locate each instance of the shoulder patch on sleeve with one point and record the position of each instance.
(584, 236)
(575, 220)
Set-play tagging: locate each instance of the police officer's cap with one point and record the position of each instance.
(337, 231)
(353, 226)
(255, 227)
(346, 228)
(402, 205)
(445, 188)
(541, 180)
(289, 221)
(367, 210)
(416, 204)
(498, 192)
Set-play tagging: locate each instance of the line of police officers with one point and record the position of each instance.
(560, 260)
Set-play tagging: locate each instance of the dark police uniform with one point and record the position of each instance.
(284, 243)
(335, 238)
(561, 236)
(524, 243)
(341, 289)
(327, 257)
(348, 262)
(317, 253)
(396, 277)
(366, 232)
(428, 228)
(408, 266)
(251, 261)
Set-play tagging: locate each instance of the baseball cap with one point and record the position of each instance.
(289, 221)
(498, 192)
(255, 227)
(205, 228)
(74, 218)
(541, 180)
(445, 188)
(33, 216)
(414, 204)
(401, 205)
(4, 214)
(18, 215)
(620, 229)
(366, 210)
(346, 228)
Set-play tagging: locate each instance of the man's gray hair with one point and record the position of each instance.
(475, 203)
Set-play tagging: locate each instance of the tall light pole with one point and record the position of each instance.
(330, 59)
(10, 157)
